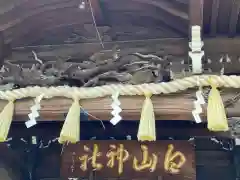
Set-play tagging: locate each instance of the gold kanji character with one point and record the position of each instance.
(147, 162)
(169, 164)
(85, 158)
(117, 153)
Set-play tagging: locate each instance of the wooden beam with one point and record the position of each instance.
(224, 16)
(215, 9)
(166, 107)
(196, 12)
(234, 17)
(168, 46)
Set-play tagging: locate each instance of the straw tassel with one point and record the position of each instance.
(71, 128)
(216, 115)
(6, 117)
(147, 129)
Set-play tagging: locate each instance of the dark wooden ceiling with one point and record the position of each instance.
(221, 17)
(25, 22)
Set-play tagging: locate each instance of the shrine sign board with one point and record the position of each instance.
(167, 159)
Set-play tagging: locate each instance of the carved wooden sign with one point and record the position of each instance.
(131, 159)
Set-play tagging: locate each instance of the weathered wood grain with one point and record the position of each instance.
(224, 16)
(234, 17)
(214, 16)
(160, 47)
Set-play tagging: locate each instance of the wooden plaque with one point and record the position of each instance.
(129, 159)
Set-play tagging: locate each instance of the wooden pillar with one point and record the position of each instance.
(195, 13)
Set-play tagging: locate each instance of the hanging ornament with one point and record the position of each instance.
(71, 128)
(147, 129)
(34, 112)
(196, 52)
(198, 104)
(198, 108)
(6, 117)
(216, 115)
(116, 109)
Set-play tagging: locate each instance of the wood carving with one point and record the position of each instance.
(121, 64)
(135, 68)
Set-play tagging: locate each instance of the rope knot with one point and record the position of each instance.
(212, 83)
(147, 94)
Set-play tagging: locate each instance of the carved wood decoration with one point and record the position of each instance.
(126, 62)
(129, 62)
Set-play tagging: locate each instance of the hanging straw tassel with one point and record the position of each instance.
(147, 129)
(71, 128)
(6, 117)
(216, 115)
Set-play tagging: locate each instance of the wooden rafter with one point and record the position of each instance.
(214, 16)
(166, 6)
(234, 17)
(169, 14)
(224, 16)
(196, 12)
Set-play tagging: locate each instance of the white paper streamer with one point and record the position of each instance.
(197, 105)
(34, 112)
(116, 109)
(196, 46)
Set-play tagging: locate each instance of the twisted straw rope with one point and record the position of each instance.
(102, 91)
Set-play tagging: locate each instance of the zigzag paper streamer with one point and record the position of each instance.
(116, 109)
(198, 108)
(34, 112)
